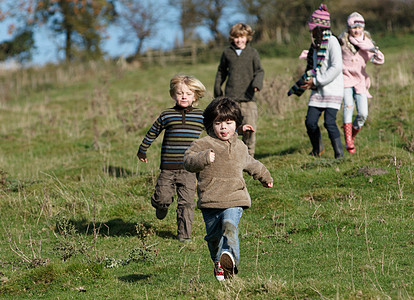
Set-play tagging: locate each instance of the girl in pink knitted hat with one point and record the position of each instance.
(357, 49)
(323, 76)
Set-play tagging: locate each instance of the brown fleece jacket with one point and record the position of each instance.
(221, 184)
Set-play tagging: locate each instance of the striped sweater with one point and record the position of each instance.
(182, 126)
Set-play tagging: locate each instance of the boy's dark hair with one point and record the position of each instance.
(317, 33)
(222, 109)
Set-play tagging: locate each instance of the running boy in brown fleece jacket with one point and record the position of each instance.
(219, 160)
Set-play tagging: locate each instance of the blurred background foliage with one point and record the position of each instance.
(80, 26)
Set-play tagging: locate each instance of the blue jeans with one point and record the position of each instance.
(222, 228)
(314, 132)
(313, 116)
(361, 102)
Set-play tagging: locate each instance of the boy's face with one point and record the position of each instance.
(224, 130)
(240, 41)
(184, 96)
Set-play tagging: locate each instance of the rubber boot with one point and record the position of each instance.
(337, 147)
(349, 142)
(354, 133)
(317, 145)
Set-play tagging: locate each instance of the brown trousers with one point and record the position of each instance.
(249, 112)
(183, 183)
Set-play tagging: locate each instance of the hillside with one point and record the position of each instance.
(74, 201)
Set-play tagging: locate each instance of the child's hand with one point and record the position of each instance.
(212, 156)
(304, 54)
(248, 127)
(308, 84)
(267, 184)
(142, 157)
(374, 50)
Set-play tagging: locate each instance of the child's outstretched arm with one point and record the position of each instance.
(151, 135)
(259, 172)
(366, 45)
(244, 128)
(258, 75)
(222, 73)
(196, 158)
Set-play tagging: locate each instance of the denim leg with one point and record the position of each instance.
(330, 123)
(362, 110)
(230, 240)
(333, 131)
(213, 231)
(222, 231)
(312, 118)
(348, 105)
(312, 128)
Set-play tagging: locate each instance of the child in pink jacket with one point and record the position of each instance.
(357, 49)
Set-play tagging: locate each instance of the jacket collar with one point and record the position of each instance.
(232, 140)
(234, 48)
(179, 108)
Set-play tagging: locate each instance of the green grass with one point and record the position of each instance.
(74, 200)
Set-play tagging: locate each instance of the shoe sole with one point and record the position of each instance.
(351, 150)
(317, 155)
(227, 263)
(322, 152)
(219, 278)
(185, 240)
(161, 214)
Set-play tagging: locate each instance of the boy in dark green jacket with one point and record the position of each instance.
(240, 65)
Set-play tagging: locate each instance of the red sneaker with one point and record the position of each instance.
(218, 271)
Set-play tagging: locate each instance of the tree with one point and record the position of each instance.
(20, 47)
(91, 25)
(138, 21)
(211, 13)
(190, 17)
(278, 19)
(76, 18)
(80, 21)
(195, 13)
(385, 15)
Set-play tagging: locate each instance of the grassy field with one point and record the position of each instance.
(76, 220)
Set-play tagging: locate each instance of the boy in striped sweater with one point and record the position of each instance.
(183, 124)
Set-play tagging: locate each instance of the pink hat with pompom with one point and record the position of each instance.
(355, 19)
(320, 17)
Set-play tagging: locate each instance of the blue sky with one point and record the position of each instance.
(167, 34)
(47, 43)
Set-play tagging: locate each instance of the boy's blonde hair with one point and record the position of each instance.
(191, 82)
(241, 29)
